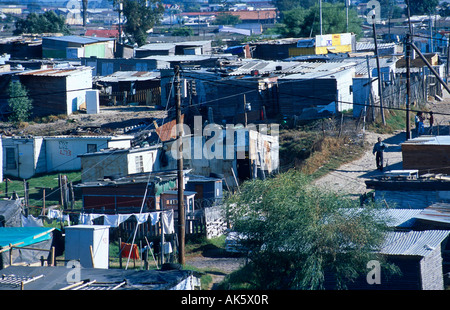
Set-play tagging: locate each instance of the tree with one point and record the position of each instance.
(182, 32)
(390, 9)
(293, 23)
(226, 19)
(48, 22)
(297, 235)
(305, 23)
(420, 7)
(444, 9)
(19, 102)
(141, 16)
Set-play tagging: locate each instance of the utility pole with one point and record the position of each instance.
(120, 24)
(346, 11)
(408, 74)
(320, 13)
(408, 85)
(181, 215)
(380, 89)
(85, 5)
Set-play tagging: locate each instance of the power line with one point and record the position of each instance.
(296, 95)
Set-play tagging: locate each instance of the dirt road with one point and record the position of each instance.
(349, 178)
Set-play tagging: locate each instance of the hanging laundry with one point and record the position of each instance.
(167, 220)
(31, 221)
(125, 249)
(114, 220)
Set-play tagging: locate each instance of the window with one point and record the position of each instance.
(139, 163)
(11, 158)
(92, 148)
(172, 202)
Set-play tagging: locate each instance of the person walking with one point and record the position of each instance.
(431, 120)
(378, 150)
(419, 123)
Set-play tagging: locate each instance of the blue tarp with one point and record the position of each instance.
(27, 235)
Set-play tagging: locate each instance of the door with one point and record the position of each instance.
(25, 162)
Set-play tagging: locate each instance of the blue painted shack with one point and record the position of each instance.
(208, 189)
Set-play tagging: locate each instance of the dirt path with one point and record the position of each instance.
(349, 178)
(217, 267)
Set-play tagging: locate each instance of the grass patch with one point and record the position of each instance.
(49, 181)
(314, 153)
(239, 279)
(395, 120)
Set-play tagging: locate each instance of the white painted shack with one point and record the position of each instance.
(23, 157)
(115, 162)
(249, 154)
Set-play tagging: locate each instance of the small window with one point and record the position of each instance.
(139, 164)
(92, 148)
(11, 158)
(172, 202)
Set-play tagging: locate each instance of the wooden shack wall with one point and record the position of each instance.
(296, 95)
(48, 94)
(426, 158)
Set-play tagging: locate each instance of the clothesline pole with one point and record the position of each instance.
(140, 212)
(162, 240)
(120, 253)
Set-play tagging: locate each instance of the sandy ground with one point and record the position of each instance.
(349, 178)
(110, 121)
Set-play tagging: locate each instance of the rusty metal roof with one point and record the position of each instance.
(55, 72)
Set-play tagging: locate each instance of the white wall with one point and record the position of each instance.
(76, 85)
(344, 82)
(62, 152)
(28, 156)
(149, 157)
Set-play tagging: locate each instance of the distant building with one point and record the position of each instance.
(176, 48)
(107, 66)
(75, 47)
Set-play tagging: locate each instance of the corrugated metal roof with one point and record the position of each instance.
(293, 69)
(439, 212)
(402, 217)
(429, 140)
(78, 39)
(263, 67)
(56, 72)
(121, 137)
(370, 46)
(156, 47)
(316, 70)
(413, 243)
(130, 76)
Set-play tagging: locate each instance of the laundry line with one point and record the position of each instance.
(112, 220)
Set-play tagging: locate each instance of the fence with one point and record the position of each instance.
(150, 97)
(395, 93)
